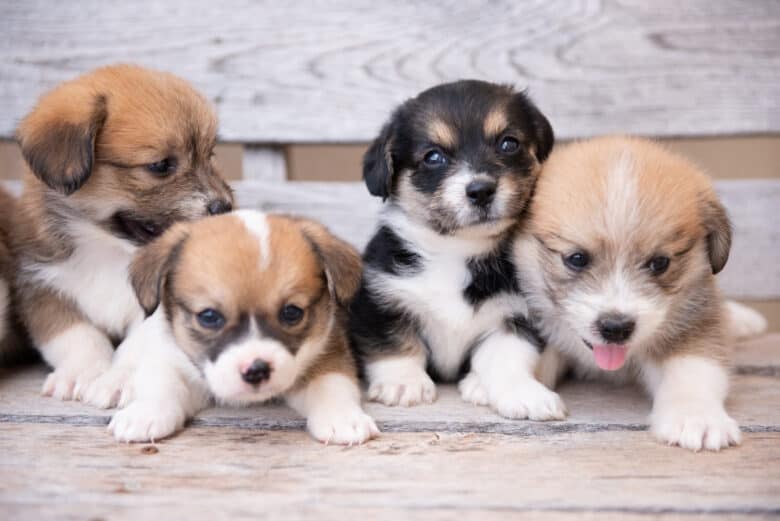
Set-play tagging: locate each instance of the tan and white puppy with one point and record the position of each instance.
(115, 157)
(244, 307)
(619, 258)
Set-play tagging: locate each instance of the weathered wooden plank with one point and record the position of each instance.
(331, 71)
(594, 407)
(64, 472)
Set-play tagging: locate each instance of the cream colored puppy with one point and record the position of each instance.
(619, 258)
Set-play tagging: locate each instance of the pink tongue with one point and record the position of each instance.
(610, 357)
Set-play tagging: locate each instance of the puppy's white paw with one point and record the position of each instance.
(696, 428)
(414, 389)
(146, 421)
(66, 382)
(106, 390)
(472, 390)
(342, 427)
(529, 400)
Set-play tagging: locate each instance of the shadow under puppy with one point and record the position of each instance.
(618, 257)
(457, 166)
(244, 307)
(116, 156)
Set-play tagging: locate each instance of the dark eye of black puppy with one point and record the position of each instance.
(508, 145)
(658, 265)
(290, 315)
(211, 319)
(163, 167)
(577, 261)
(434, 158)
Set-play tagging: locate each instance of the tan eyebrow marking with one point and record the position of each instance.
(442, 134)
(495, 122)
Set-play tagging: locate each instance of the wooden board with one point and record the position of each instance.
(213, 473)
(315, 72)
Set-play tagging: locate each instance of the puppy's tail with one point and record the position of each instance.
(744, 322)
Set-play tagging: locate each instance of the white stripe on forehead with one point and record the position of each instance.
(257, 224)
(621, 207)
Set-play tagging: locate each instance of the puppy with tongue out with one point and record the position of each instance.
(618, 258)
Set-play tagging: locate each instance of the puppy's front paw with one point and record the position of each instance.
(106, 390)
(413, 389)
(67, 382)
(696, 428)
(342, 427)
(472, 390)
(146, 421)
(530, 400)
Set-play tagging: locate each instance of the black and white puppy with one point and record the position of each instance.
(456, 166)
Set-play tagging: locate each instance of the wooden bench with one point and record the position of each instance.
(287, 75)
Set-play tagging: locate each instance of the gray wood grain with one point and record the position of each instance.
(331, 71)
(63, 472)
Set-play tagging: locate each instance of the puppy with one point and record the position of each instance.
(13, 344)
(115, 157)
(244, 307)
(619, 258)
(456, 166)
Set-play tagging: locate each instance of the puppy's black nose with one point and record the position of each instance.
(258, 372)
(219, 206)
(481, 191)
(615, 328)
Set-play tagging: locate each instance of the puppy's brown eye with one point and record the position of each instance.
(434, 158)
(290, 315)
(162, 168)
(577, 261)
(211, 319)
(658, 265)
(508, 145)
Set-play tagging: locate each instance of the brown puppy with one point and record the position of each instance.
(115, 157)
(244, 307)
(619, 259)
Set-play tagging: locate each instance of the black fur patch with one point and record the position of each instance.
(387, 252)
(522, 327)
(491, 275)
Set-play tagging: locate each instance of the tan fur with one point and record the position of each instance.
(496, 122)
(670, 211)
(442, 134)
(88, 144)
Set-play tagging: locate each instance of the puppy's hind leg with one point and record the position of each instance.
(502, 372)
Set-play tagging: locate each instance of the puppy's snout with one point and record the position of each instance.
(257, 372)
(615, 328)
(481, 191)
(219, 206)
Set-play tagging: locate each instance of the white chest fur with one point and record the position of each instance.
(95, 277)
(434, 294)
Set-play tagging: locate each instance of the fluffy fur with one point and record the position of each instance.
(244, 308)
(456, 166)
(115, 157)
(619, 258)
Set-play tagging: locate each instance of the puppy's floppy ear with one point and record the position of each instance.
(58, 137)
(343, 266)
(378, 168)
(718, 227)
(153, 263)
(543, 135)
